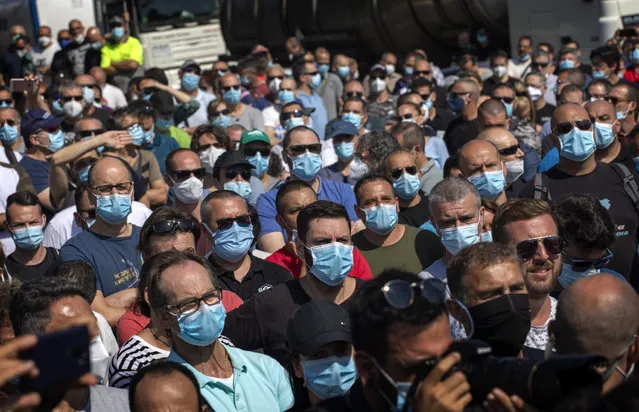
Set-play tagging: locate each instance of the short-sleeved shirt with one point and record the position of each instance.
(161, 146)
(135, 354)
(27, 273)
(116, 260)
(328, 190)
(131, 49)
(38, 170)
(544, 114)
(331, 89)
(251, 118)
(416, 250)
(201, 116)
(148, 167)
(182, 137)
(259, 384)
(319, 117)
(286, 258)
(417, 215)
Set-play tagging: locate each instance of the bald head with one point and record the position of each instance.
(98, 74)
(601, 111)
(462, 86)
(568, 112)
(477, 156)
(109, 170)
(596, 315)
(498, 136)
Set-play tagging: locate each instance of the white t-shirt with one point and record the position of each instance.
(8, 186)
(201, 116)
(44, 58)
(3, 155)
(114, 97)
(271, 117)
(63, 227)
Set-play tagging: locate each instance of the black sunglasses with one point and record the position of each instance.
(252, 152)
(233, 173)
(421, 72)
(509, 151)
(167, 226)
(185, 174)
(69, 98)
(378, 76)
(10, 122)
(398, 172)
(614, 100)
(89, 133)
(544, 65)
(228, 88)
(354, 94)
(400, 294)
(275, 77)
(294, 113)
(566, 127)
(8, 101)
(582, 265)
(192, 70)
(221, 113)
(506, 100)
(526, 249)
(300, 149)
(312, 73)
(242, 220)
(149, 90)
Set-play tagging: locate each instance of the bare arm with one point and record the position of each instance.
(43, 197)
(58, 184)
(270, 132)
(125, 65)
(178, 94)
(111, 313)
(113, 139)
(271, 242)
(158, 193)
(357, 227)
(145, 200)
(110, 71)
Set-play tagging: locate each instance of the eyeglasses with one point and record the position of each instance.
(217, 145)
(224, 112)
(406, 116)
(233, 173)
(295, 113)
(311, 73)
(166, 226)
(582, 265)
(566, 127)
(229, 88)
(180, 175)
(398, 172)
(121, 188)
(418, 73)
(300, 149)
(252, 152)
(542, 65)
(505, 100)
(400, 294)
(354, 94)
(191, 306)
(526, 249)
(509, 151)
(7, 102)
(614, 100)
(191, 70)
(89, 133)
(242, 220)
(115, 24)
(275, 77)
(378, 76)
(10, 122)
(69, 98)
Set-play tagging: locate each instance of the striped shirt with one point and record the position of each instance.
(135, 354)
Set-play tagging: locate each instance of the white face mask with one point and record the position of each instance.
(99, 357)
(534, 92)
(44, 41)
(72, 108)
(189, 191)
(378, 85)
(514, 170)
(274, 85)
(358, 168)
(79, 38)
(209, 156)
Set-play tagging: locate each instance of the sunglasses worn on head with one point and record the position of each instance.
(300, 149)
(252, 152)
(526, 249)
(566, 127)
(233, 173)
(180, 175)
(400, 294)
(509, 151)
(582, 265)
(398, 172)
(242, 220)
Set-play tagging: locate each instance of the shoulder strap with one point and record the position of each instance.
(541, 188)
(629, 183)
(10, 155)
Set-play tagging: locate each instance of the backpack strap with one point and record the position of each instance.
(541, 188)
(629, 183)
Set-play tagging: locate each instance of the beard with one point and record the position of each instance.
(539, 284)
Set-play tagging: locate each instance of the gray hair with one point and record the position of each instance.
(453, 189)
(541, 53)
(378, 144)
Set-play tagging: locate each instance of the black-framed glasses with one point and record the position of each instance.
(123, 188)
(223, 112)
(526, 249)
(505, 100)
(89, 133)
(399, 171)
(233, 173)
(69, 98)
(10, 122)
(542, 65)
(242, 220)
(192, 69)
(294, 113)
(509, 151)
(566, 127)
(400, 294)
(180, 175)
(191, 306)
(354, 94)
(582, 265)
(300, 149)
(251, 151)
(167, 226)
(311, 73)
(378, 76)
(229, 88)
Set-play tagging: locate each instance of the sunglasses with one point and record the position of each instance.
(167, 226)
(221, 113)
(252, 152)
(149, 90)
(233, 173)
(509, 151)
(89, 133)
(582, 265)
(400, 294)
(398, 172)
(217, 145)
(192, 70)
(69, 98)
(229, 88)
(544, 65)
(242, 220)
(378, 76)
(10, 122)
(295, 113)
(311, 73)
(566, 127)
(7, 102)
(275, 77)
(505, 100)
(300, 149)
(526, 249)
(180, 175)
(354, 94)
(421, 73)
(614, 100)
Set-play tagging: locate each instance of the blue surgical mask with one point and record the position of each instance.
(408, 70)
(293, 122)
(455, 239)
(64, 43)
(382, 218)
(222, 121)
(8, 134)
(113, 209)
(233, 243)
(427, 105)
(329, 377)
(345, 151)
(343, 71)
(260, 163)
(569, 276)
(147, 96)
(88, 94)
(576, 145)
(204, 326)
(332, 262)
(221, 73)
(148, 136)
(316, 80)
(323, 69)
(598, 74)
(306, 166)
(117, 33)
(164, 124)
(138, 134)
(240, 187)
(401, 388)
(406, 186)
(353, 118)
(634, 56)
(244, 80)
(96, 45)
(566, 64)
(232, 96)
(190, 81)
(285, 96)
(621, 115)
(603, 135)
(83, 174)
(489, 184)
(456, 103)
(525, 57)
(509, 109)
(56, 140)
(28, 238)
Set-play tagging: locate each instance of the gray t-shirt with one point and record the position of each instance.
(251, 118)
(330, 91)
(104, 398)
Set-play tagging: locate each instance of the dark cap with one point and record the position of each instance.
(35, 119)
(189, 63)
(341, 127)
(232, 158)
(116, 19)
(162, 101)
(315, 324)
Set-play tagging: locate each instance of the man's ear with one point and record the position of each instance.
(616, 127)
(167, 180)
(364, 120)
(297, 368)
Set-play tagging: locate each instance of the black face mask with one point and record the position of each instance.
(503, 323)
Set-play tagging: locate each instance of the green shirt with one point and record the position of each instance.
(181, 136)
(416, 250)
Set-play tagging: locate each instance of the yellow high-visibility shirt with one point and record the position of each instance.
(131, 49)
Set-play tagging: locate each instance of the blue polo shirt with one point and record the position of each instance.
(161, 146)
(328, 190)
(319, 116)
(259, 384)
(38, 171)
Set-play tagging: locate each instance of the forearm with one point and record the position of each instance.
(157, 196)
(75, 150)
(110, 313)
(110, 71)
(126, 65)
(122, 299)
(181, 96)
(45, 200)
(58, 184)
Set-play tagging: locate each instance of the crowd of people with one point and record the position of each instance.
(299, 234)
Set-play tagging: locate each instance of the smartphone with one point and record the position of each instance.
(61, 357)
(627, 33)
(21, 85)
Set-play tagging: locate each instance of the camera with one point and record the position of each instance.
(540, 384)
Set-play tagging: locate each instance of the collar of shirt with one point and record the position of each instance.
(237, 362)
(256, 267)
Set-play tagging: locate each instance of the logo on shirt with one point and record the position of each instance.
(264, 287)
(605, 203)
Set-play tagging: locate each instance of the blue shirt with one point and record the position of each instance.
(319, 116)
(531, 162)
(436, 149)
(116, 260)
(161, 146)
(328, 190)
(549, 161)
(38, 171)
(259, 384)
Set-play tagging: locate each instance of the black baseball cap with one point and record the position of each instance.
(232, 158)
(315, 324)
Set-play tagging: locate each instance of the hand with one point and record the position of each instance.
(155, 83)
(12, 367)
(449, 395)
(117, 139)
(498, 401)
(32, 92)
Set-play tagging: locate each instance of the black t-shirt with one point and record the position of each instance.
(417, 215)
(261, 276)
(11, 65)
(260, 323)
(92, 59)
(544, 114)
(441, 120)
(460, 132)
(26, 273)
(625, 157)
(606, 185)
(102, 115)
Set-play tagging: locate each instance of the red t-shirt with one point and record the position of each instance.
(132, 322)
(284, 257)
(632, 75)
